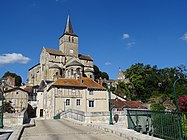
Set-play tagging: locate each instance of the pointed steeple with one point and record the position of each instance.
(68, 28)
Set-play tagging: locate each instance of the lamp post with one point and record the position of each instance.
(110, 105)
(177, 107)
(174, 91)
(2, 99)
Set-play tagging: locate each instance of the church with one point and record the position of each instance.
(62, 63)
(66, 79)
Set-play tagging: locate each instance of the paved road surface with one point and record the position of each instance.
(65, 130)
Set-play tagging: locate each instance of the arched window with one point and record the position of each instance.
(71, 71)
(78, 71)
(72, 39)
(69, 39)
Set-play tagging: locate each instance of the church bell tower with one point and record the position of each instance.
(68, 42)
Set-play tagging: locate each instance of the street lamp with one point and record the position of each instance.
(177, 106)
(2, 101)
(110, 105)
(174, 89)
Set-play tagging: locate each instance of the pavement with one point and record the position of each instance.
(14, 132)
(117, 129)
(62, 129)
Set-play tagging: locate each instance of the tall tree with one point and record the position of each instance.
(98, 74)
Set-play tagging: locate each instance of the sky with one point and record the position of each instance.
(115, 33)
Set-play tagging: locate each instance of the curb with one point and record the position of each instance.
(16, 135)
(127, 133)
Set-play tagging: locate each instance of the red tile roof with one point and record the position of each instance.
(68, 83)
(85, 83)
(90, 83)
(127, 104)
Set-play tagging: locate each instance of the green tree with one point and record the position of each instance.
(98, 74)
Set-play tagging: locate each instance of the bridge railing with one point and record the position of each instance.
(161, 124)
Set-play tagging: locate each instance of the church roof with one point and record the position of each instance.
(74, 63)
(68, 30)
(54, 52)
(34, 66)
(55, 66)
(85, 57)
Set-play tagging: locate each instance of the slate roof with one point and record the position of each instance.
(85, 57)
(54, 52)
(68, 28)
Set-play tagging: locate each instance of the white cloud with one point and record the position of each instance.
(108, 63)
(13, 58)
(130, 44)
(126, 36)
(184, 37)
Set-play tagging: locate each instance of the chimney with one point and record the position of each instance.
(80, 77)
(100, 81)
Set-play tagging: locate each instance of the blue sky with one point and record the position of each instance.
(116, 33)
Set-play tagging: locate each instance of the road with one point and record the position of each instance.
(64, 130)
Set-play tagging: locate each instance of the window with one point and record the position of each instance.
(17, 93)
(71, 71)
(67, 102)
(72, 39)
(43, 67)
(91, 92)
(91, 103)
(78, 102)
(69, 38)
(71, 51)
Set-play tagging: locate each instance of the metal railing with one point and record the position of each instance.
(1, 124)
(161, 124)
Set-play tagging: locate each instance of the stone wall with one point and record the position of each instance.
(12, 119)
(95, 117)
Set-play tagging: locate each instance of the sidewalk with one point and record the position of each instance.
(117, 129)
(15, 132)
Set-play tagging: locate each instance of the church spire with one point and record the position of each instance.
(68, 28)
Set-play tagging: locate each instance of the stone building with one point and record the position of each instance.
(62, 63)
(18, 98)
(66, 80)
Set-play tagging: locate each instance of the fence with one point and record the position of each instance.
(161, 124)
